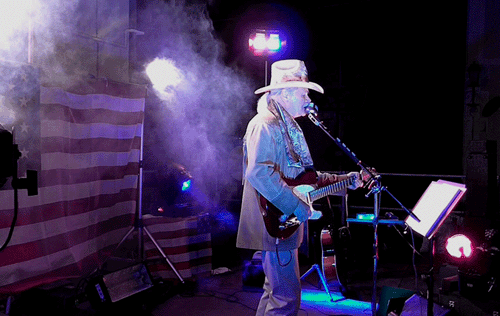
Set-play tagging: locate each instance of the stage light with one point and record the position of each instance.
(459, 246)
(186, 185)
(164, 74)
(265, 43)
(258, 42)
(176, 184)
(274, 42)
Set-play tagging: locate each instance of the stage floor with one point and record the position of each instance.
(227, 294)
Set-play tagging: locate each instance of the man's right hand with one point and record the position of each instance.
(303, 213)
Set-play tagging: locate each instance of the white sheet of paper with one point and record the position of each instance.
(434, 206)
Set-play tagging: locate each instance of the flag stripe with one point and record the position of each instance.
(21, 281)
(38, 231)
(59, 128)
(90, 116)
(74, 161)
(48, 212)
(69, 145)
(57, 243)
(83, 175)
(91, 100)
(76, 192)
(67, 258)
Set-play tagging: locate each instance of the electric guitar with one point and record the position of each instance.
(281, 226)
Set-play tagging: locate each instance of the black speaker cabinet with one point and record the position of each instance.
(480, 178)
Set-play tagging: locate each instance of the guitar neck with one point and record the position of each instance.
(330, 189)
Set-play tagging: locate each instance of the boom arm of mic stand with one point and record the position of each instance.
(374, 179)
(342, 146)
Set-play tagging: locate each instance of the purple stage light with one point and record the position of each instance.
(265, 43)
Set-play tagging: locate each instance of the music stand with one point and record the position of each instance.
(433, 207)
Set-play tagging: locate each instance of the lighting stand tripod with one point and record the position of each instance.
(139, 223)
(375, 188)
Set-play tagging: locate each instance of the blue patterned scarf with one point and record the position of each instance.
(297, 151)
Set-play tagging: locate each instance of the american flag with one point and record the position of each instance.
(186, 243)
(85, 145)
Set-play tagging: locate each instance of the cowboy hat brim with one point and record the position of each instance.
(291, 84)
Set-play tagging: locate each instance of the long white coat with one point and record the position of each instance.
(264, 167)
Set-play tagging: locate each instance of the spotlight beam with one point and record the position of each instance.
(164, 75)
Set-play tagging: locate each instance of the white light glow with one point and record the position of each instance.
(459, 246)
(164, 74)
(15, 16)
(265, 43)
(274, 42)
(259, 42)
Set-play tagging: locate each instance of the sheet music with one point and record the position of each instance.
(434, 206)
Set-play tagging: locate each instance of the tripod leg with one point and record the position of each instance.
(125, 237)
(163, 254)
(321, 276)
(311, 269)
(323, 281)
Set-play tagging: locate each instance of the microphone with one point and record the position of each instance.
(311, 108)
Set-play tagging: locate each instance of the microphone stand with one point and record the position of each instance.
(376, 188)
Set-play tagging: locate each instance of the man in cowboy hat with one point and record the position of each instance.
(275, 150)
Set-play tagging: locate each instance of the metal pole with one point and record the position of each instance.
(139, 221)
(376, 212)
(430, 280)
(265, 73)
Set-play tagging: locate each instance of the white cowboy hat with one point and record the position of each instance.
(289, 73)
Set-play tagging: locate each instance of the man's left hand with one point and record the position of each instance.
(358, 182)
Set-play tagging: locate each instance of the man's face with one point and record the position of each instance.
(296, 100)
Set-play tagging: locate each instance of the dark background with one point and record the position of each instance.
(393, 74)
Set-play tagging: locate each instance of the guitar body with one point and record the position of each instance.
(280, 227)
(272, 215)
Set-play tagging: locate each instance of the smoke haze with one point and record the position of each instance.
(198, 123)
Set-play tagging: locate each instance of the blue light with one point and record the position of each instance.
(186, 185)
(365, 217)
(321, 301)
(274, 42)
